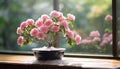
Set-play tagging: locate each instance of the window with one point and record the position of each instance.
(90, 16)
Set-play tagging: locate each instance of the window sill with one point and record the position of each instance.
(29, 62)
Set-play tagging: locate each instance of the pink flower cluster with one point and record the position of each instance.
(95, 34)
(24, 24)
(95, 38)
(107, 38)
(46, 24)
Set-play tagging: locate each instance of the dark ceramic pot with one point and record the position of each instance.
(48, 53)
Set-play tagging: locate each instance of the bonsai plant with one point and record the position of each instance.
(44, 30)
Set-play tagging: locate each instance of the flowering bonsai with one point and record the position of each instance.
(45, 28)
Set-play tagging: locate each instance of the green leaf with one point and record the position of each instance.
(62, 30)
(71, 24)
(108, 30)
(70, 42)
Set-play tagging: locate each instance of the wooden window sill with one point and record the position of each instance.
(29, 62)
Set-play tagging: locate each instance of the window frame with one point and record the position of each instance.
(115, 54)
(114, 29)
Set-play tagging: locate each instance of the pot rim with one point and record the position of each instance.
(48, 49)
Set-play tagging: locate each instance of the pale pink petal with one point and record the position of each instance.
(39, 23)
(48, 22)
(61, 14)
(77, 39)
(19, 30)
(30, 22)
(95, 34)
(64, 23)
(20, 40)
(62, 18)
(34, 32)
(23, 25)
(71, 17)
(58, 23)
(55, 28)
(55, 13)
(40, 35)
(70, 34)
(86, 41)
(44, 17)
(96, 39)
(108, 18)
(44, 29)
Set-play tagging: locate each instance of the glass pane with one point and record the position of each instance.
(90, 18)
(118, 12)
(12, 13)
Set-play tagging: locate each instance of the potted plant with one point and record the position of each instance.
(44, 30)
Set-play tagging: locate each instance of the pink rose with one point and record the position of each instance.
(62, 18)
(96, 39)
(44, 29)
(70, 34)
(95, 34)
(48, 22)
(71, 17)
(34, 32)
(77, 39)
(61, 14)
(44, 17)
(20, 40)
(55, 13)
(86, 41)
(30, 22)
(108, 18)
(64, 23)
(19, 30)
(40, 35)
(39, 23)
(55, 28)
(23, 25)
